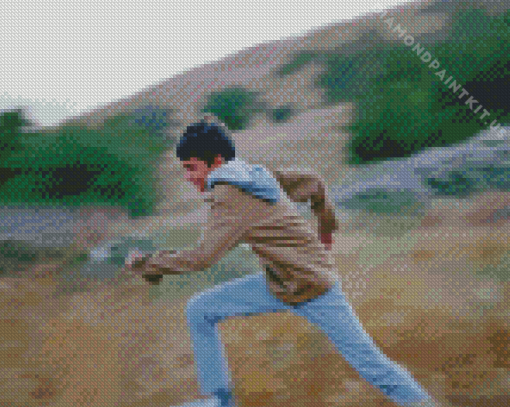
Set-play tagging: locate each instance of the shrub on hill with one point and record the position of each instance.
(402, 106)
(77, 165)
(234, 106)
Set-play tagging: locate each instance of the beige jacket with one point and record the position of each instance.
(298, 266)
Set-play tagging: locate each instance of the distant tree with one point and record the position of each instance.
(234, 106)
(12, 122)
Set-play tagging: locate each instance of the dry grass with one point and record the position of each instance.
(112, 345)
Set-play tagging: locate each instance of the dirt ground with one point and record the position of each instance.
(417, 295)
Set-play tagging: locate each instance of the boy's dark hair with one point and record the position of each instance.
(205, 140)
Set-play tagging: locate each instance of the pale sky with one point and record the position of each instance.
(61, 57)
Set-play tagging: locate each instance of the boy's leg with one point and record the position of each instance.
(243, 296)
(333, 314)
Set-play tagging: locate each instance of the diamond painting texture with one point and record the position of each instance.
(343, 240)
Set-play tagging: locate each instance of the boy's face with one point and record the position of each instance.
(197, 170)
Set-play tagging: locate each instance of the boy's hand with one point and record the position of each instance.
(327, 240)
(139, 263)
(136, 260)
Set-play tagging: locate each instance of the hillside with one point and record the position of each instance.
(315, 93)
(424, 289)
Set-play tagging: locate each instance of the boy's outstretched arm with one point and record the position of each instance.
(228, 220)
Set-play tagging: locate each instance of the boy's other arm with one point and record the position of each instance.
(302, 186)
(228, 221)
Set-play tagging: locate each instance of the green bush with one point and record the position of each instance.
(409, 108)
(114, 165)
(234, 107)
(402, 107)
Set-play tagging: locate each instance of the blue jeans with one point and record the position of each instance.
(331, 312)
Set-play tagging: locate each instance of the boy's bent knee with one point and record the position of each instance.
(199, 315)
(198, 306)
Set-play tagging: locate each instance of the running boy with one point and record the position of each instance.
(251, 205)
